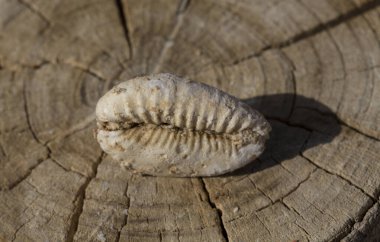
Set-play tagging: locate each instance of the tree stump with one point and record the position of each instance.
(311, 67)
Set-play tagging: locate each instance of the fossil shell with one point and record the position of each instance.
(165, 125)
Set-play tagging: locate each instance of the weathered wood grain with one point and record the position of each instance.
(311, 67)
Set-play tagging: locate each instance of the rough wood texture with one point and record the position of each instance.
(312, 67)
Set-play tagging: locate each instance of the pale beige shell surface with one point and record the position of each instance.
(166, 125)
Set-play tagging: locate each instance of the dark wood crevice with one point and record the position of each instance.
(218, 210)
(124, 24)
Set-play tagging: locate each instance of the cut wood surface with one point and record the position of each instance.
(311, 67)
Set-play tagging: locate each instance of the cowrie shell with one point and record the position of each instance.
(164, 125)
